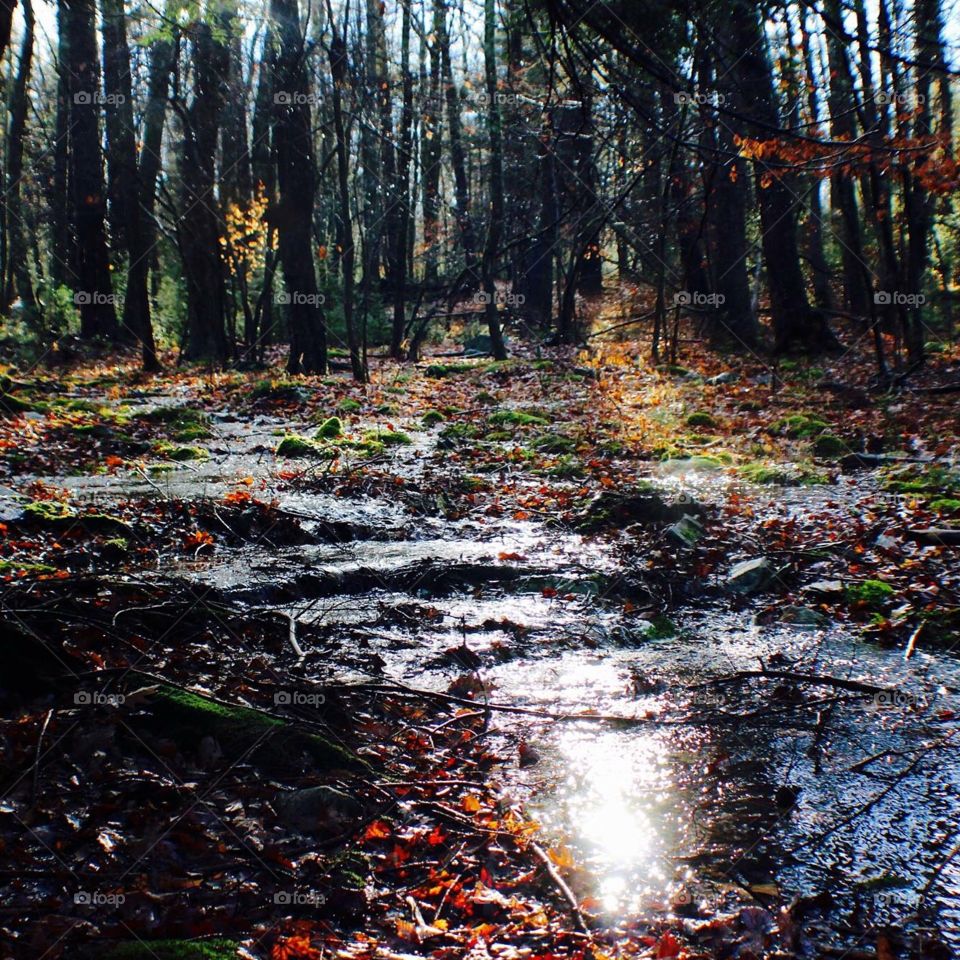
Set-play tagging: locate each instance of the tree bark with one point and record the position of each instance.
(296, 180)
(126, 213)
(93, 294)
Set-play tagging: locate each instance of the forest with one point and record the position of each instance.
(479, 479)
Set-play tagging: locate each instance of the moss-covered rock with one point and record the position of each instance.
(701, 419)
(828, 446)
(431, 418)
(182, 423)
(293, 445)
(800, 426)
(388, 438)
(274, 745)
(517, 418)
(330, 429)
(180, 453)
(174, 950)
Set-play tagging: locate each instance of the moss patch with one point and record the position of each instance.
(828, 446)
(432, 418)
(182, 423)
(870, 593)
(180, 453)
(273, 744)
(294, 445)
(329, 429)
(701, 419)
(517, 418)
(799, 425)
(174, 950)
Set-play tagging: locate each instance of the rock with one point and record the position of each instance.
(318, 810)
(728, 376)
(804, 617)
(686, 531)
(750, 576)
(609, 509)
(825, 588)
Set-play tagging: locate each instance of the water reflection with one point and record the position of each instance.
(610, 803)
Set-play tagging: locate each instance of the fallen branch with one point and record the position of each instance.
(812, 678)
(562, 886)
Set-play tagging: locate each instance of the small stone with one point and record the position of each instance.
(728, 376)
(825, 588)
(686, 531)
(804, 617)
(750, 576)
(322, 809)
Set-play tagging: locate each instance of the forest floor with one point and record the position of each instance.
(566, 656)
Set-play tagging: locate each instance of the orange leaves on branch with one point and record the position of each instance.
(198, 539)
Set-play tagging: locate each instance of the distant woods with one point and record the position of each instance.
(343, 177)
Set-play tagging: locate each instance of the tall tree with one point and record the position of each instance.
(296, 180)
(94, 293)
(126, 213)
(491, 248)
(199, 224)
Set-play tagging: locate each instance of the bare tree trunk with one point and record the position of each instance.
(296, 179)
(340, 76)
(402, 192)
(94, 294)
(126, 214)
(19, 269)
(491, 248)
(199, 225)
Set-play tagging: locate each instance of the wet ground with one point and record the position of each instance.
(719, 786)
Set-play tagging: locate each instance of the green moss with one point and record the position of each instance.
(767, 474)
(517, 418)
(160, 468)
(554, 443)
(921, 478)
(48, 510)
(566, 468)
(183, 423)
(271, 743)
(828, 446)
(388, 438)
(349, 405)
(799, 425)
(12, 403)
(945, 505)
(293, 445)
(14, 568)
(661, 628)
(174, 950)
(701, 419)
(441, 370)
(870, 593)
(432, 418)
(461, 431)
(329, 429)
(180, 453)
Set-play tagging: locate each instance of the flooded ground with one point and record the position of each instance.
(719, 784)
